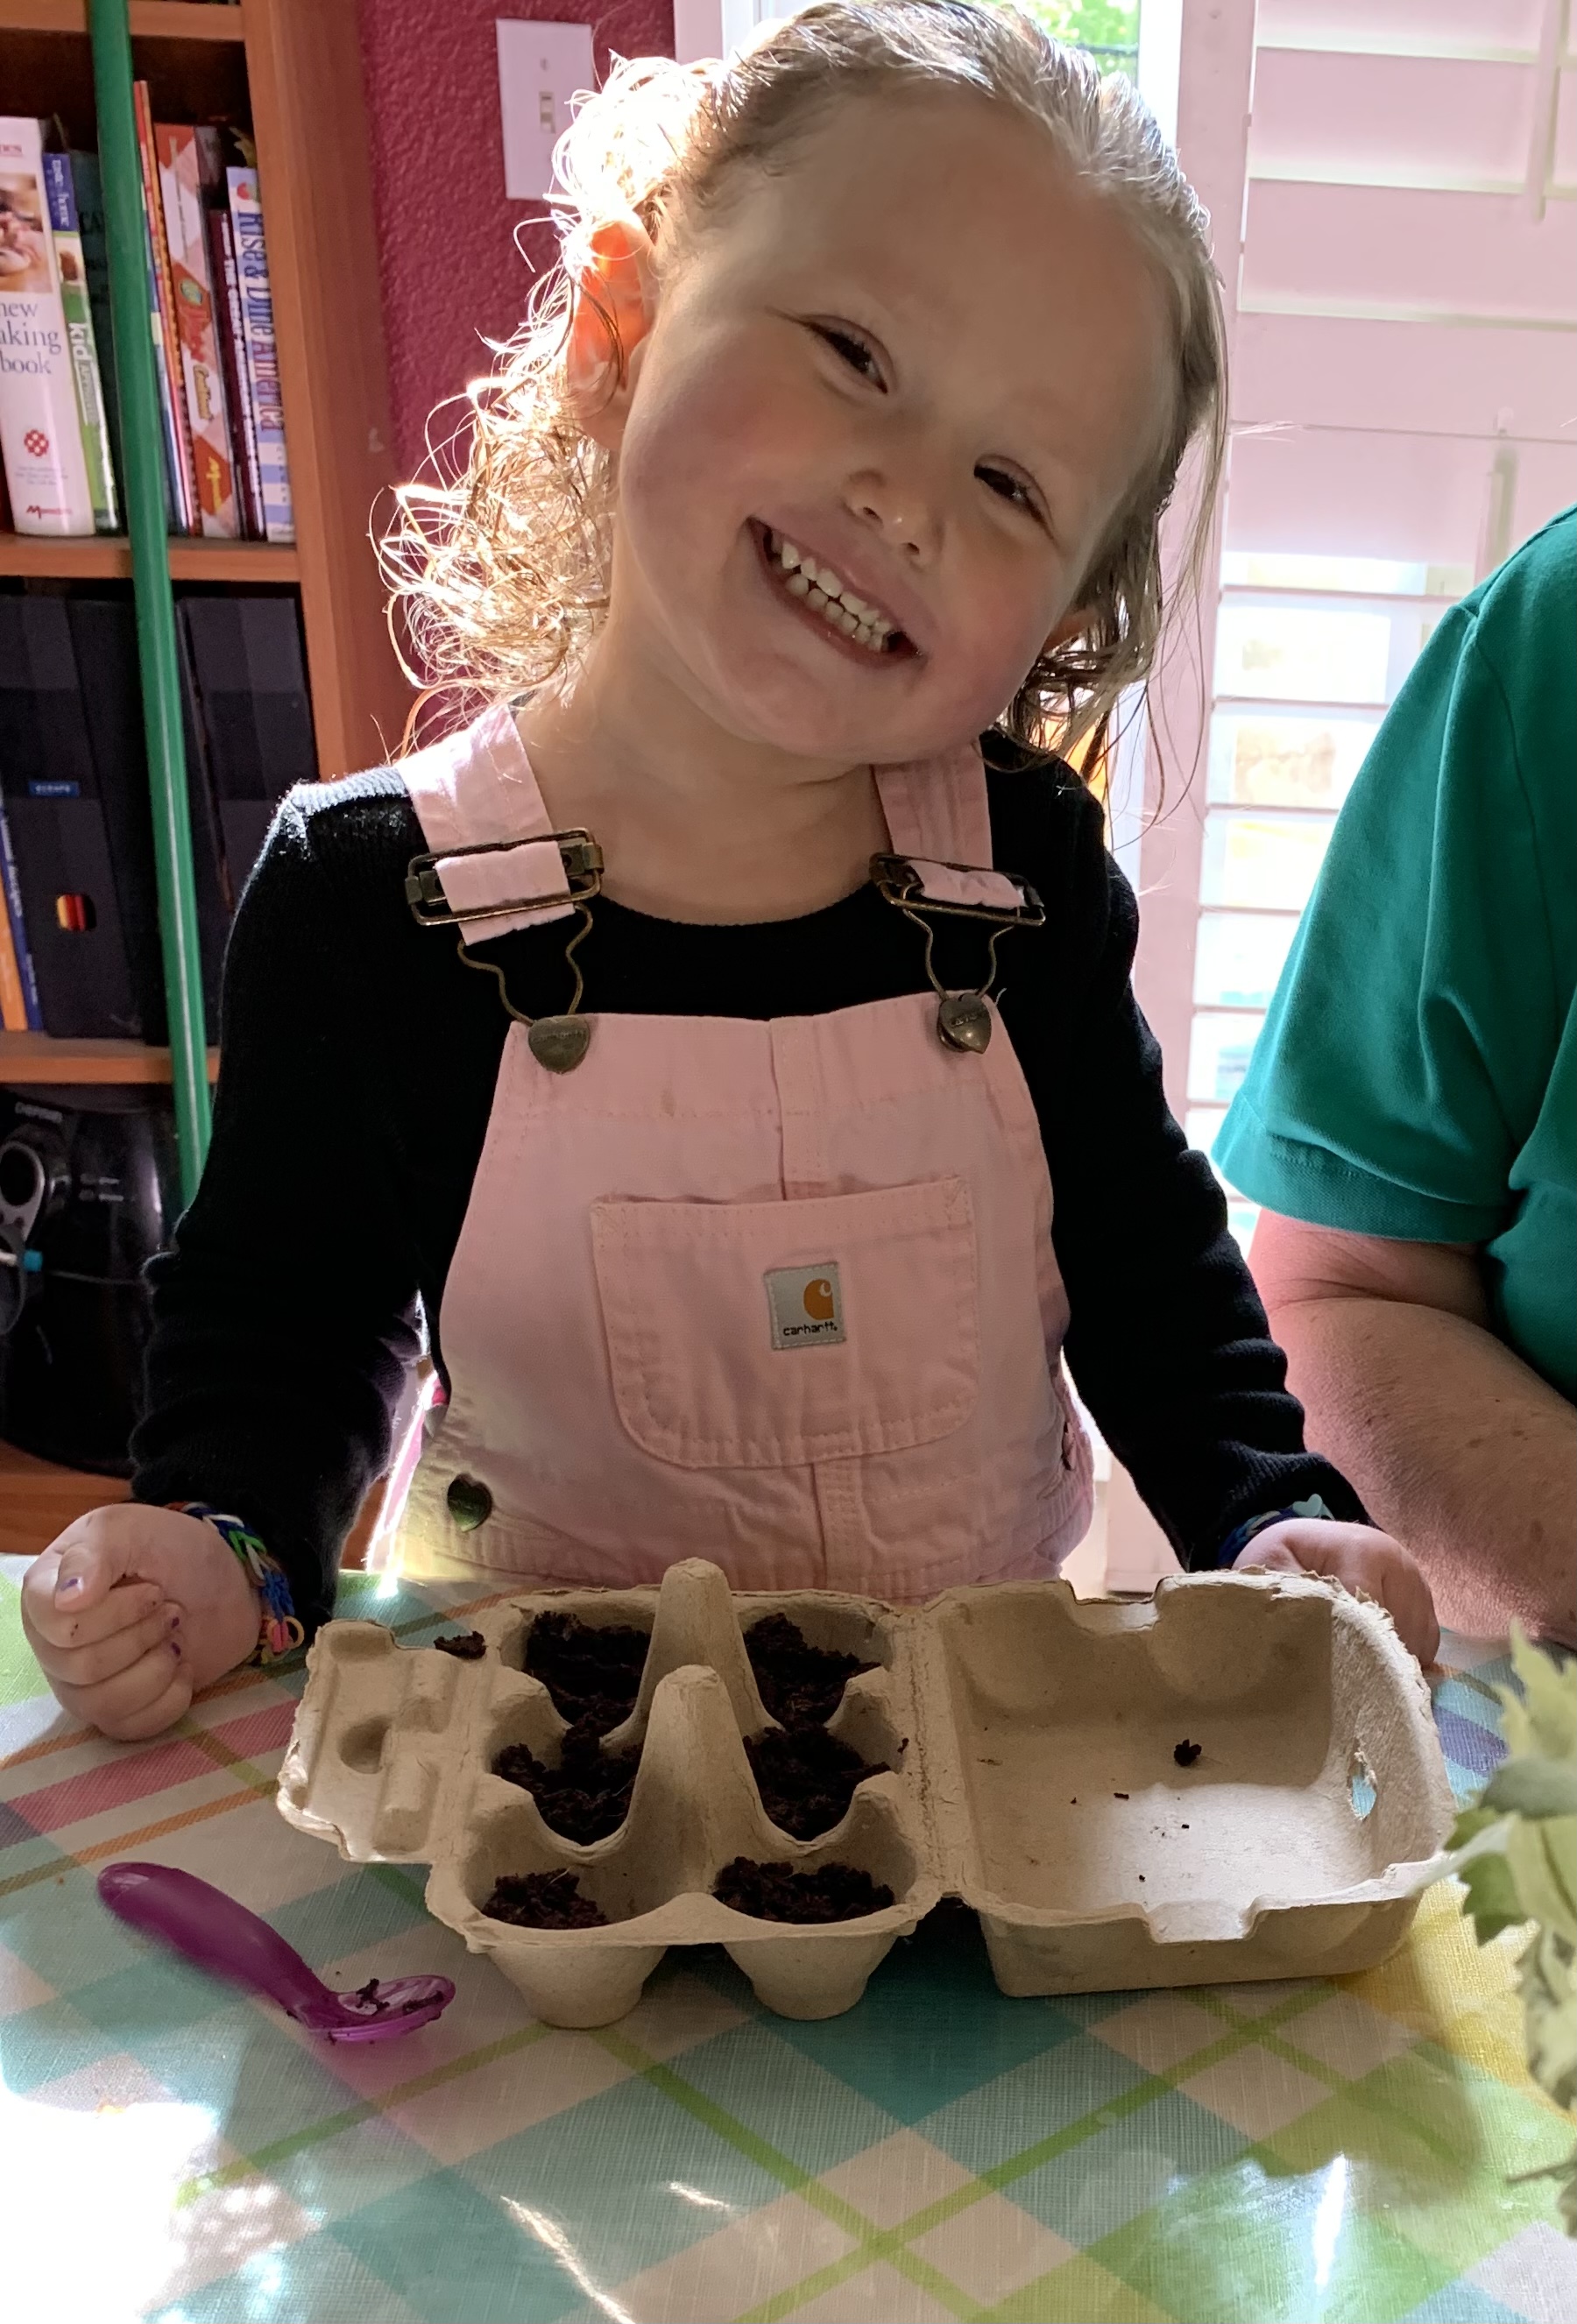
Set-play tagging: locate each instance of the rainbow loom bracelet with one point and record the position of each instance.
(280, 1629)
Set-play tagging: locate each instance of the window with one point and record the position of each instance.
(1402, 335)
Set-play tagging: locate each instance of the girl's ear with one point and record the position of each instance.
(1073, 625)
(616, 302)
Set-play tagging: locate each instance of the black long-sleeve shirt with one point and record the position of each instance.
(360, 1057)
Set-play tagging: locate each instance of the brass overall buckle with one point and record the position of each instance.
(579, 852)
(898, 880)
(963, 1021)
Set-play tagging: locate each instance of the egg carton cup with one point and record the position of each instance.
(1034, 1744)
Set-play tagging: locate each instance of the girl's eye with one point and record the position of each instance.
(1007, 488)
(855, 352)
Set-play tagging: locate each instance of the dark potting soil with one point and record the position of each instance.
(806, 1777)
(801, 1685)
(593, 1676)
(776, 1892)
(543, 1900)
(466, 1646)
(586, 1795)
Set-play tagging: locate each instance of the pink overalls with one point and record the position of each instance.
(781, 1295)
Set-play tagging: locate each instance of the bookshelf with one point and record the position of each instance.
(292, 70)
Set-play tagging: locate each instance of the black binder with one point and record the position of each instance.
(84, 869)
(252, 705)
(73, 768)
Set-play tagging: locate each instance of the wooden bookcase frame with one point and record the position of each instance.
(296, 67)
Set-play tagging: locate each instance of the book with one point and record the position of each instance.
(86, 374)
(262, 371)
(237, 391)
(40, 437)
(182, 176)
(88, 188)
(166, 340)
(12, 1000)
(16, 934)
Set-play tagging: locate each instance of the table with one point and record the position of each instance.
(1250, 2155)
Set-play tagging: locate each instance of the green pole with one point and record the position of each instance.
(142, 450)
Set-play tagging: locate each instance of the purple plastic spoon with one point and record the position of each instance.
(221, 1936)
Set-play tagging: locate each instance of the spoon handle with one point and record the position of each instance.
(213, 1932)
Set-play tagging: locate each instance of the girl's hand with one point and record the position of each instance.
(1360, 1559)
(132, 1609)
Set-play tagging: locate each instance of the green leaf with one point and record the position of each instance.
(1549, 2002)
(1492, 1903)
(1469, 1824)
(1543, 1858)
(1540, 1722)
(1532, 1787)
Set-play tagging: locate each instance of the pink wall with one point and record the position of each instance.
(449, 269)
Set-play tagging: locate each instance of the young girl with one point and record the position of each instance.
(730, 1055)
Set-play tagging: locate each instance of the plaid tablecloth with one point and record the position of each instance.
(1250, 2155)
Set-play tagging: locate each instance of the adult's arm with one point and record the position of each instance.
(1460, 1451)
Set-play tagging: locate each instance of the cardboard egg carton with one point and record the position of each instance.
(1034, 1742)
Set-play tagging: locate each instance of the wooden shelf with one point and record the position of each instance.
(108, 557)
(293, 69)
(151, 19)
(39, 1500)
(35, 1057)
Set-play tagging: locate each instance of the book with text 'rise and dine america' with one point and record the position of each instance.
(262, 370)
(233, 354)
(40, 435)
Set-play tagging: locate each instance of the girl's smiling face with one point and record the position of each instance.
(915, 352)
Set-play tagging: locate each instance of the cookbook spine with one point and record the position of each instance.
(41, 436)
(202, 379)
(77, 307)
(166, 341)
(262, 369)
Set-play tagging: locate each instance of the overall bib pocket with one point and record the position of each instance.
(771, 1334)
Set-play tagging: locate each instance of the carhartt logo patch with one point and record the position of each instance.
(805, 1306)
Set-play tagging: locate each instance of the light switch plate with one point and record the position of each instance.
(540, 67)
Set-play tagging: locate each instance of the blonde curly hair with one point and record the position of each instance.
(501, 574)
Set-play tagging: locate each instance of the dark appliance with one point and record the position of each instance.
(89, 1190)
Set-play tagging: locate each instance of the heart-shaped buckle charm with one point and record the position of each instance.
(559, 1043)
(963, 1021)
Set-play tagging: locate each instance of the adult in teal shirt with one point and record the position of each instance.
(1409, 1118)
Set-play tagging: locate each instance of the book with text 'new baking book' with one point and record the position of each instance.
(40, 435)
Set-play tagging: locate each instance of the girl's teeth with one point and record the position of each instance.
(821, 590)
